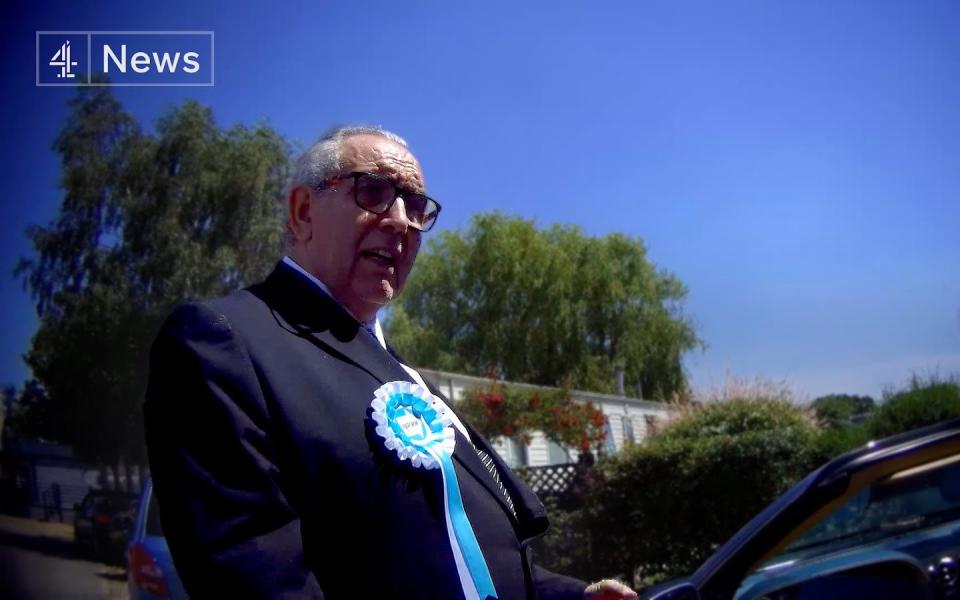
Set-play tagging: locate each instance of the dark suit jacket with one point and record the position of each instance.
(271, 481)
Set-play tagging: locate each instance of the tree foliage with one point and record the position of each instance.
(546, 306)
(842, 409)
(28, 413)
(147, 221)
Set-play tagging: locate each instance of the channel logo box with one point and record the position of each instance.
(62, 59)
(125, 58)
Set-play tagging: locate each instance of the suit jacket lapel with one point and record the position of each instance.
(306, 310)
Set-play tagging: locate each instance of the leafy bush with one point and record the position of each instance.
(567, 546)
(834, 441)
(661, 508)
(735, 417)
(924, 402)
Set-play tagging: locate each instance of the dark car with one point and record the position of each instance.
(150, 571)
(101, 524)
(880, 522)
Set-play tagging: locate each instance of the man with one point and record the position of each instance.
(271, 480)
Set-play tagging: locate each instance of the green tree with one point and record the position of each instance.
(147, 221)
(28, 413)
(546, 306)
(842, 409)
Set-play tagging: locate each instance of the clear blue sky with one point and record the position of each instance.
(796, 164)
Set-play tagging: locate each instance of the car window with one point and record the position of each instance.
(901, 503)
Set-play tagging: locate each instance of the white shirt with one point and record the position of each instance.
(376, 331)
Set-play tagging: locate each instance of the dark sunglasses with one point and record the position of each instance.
(376, 193)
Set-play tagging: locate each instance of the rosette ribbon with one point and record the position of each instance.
(415, 425)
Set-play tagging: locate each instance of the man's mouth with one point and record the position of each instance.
(380, 256)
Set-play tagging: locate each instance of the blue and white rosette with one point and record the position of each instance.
(415, 425)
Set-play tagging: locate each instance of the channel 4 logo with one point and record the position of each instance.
(125, 58)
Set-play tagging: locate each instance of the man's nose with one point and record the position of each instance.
(396, 217)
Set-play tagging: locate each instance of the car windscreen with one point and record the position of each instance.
(915, 499)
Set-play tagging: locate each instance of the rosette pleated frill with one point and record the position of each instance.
(416, 426)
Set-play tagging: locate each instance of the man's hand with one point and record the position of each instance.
(609, 589)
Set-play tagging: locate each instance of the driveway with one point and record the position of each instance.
(39, 560)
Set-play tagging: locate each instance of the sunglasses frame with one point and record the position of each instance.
(398, 192)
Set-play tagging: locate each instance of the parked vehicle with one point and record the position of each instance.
(880, 522)
(150, 571)
(102, 523)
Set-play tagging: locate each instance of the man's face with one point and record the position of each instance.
(364, 258)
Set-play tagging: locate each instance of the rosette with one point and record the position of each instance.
(414, 425)
(411, 421)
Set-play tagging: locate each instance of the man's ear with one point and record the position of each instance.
(298, 210)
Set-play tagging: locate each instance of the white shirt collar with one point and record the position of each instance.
(373, 327)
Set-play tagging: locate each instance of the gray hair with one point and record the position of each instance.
(322, 160)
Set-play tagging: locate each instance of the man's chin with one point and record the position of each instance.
(379, 294)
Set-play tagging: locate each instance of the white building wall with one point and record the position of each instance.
(538, 454)
(65, 477)
(615, 408)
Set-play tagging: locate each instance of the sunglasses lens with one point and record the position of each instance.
(377, 195)
(421, 210)
(374, 194)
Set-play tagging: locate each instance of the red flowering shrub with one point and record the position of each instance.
(497, 410)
